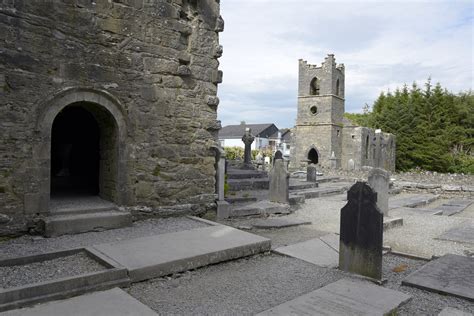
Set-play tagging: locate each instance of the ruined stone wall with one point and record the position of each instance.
(151, 64)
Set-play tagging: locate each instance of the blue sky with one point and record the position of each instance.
(383, 44)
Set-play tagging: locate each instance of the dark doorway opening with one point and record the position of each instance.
(75, 152)
(313, 156)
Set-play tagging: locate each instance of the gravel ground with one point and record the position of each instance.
(28, 245)
(418, 233)
(67, 266)
(251, 285)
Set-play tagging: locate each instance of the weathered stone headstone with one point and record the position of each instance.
(311, 173)
(333, 161)
(361, 233)
(248, 139)
(351, 164)
(279, 183)
(379, 181)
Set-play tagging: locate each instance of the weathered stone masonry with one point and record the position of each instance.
(146, 70)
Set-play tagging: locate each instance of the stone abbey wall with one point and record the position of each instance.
(146, 70)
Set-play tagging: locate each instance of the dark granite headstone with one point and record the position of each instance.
(278, 155)
(361, 233)
(311, 173)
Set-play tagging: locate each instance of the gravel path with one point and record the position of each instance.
(251, 285)
(67, 266)
(28, 245)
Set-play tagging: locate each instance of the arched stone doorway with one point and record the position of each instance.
(313, 156)
(84, 149)
(81, 148)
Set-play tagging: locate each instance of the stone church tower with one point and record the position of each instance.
(323, 136)
(318, 131)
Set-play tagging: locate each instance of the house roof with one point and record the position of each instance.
(285, 134)
(237, 131)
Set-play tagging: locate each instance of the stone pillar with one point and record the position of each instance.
(311, 173)
(248, 139)
(361, 233)
(379, 180)
(220, 178)
(279, 183)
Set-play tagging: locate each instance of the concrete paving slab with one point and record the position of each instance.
(112, 302)
(314, 251)
(270, 223)
(159, 255)
(463, 233)
(450, 311)
(450, 274)
(344, 297)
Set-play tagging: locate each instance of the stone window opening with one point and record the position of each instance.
(338, 132)
(313, 110)
(337, 88)
(315, 86)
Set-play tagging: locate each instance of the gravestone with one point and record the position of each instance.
(311, 173)
(279, 183)
(333, 161)
(248, 139)
(450, 274)
(278, 155)
(361, 233)
(379, 180)
(351, 164)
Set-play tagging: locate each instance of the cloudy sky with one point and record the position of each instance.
(383, 44)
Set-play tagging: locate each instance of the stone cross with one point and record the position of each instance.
(248, 139)
(361, 233)
(311, 173)
(379, 180)
(279, 183)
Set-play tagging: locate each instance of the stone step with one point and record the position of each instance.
(303, 185)
(245, 174)
(240, 199)
(58, 225)
(248, 184)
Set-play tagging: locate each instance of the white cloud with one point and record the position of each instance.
(382, 44)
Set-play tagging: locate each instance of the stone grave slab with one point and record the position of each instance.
(344, 297)
(412, 201)
(260, 208)
(450, 274)
(463, 233)
(278, 223)
(419, 211)
(449, 210)
(112, 302)
(332, 240)
(450, 311)
(154, 256)
(314, 251)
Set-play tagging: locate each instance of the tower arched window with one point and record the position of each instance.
(367, 147)
(314, 86)
(337, 87)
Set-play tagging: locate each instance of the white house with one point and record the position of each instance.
(231, 135)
